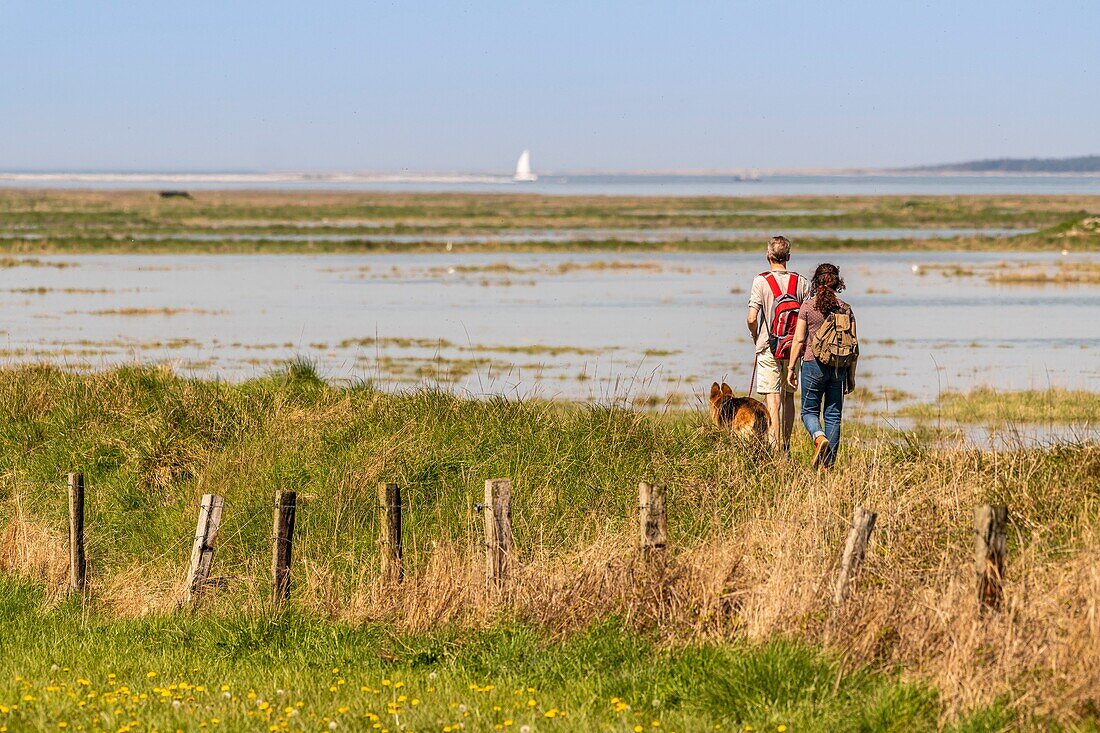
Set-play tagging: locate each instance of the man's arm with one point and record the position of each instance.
(755, 302)
(754, 328)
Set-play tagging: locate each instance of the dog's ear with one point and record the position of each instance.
(726, 389)
(714, 390)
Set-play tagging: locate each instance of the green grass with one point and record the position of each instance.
(987, 405)
(62, 665)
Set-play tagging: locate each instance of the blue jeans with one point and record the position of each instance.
(823, 387)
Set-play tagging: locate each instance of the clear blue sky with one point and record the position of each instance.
(445, 86)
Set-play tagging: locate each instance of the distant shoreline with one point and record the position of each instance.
(743, 184)
(16, 177)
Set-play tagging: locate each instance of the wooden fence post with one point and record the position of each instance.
(78, 562)
(202, 551)
(652, 517)
(989, 554)
(389, 532)
(498, 530)
(863, 521)
(282, 539)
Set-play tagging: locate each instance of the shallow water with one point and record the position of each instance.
(546, 236)
(996, 437)
(593, 184)
(236, 316)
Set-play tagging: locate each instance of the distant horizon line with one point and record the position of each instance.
(245, 175)
(405, 173)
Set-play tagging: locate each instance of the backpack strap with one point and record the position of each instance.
(773, 284)
(792, 283)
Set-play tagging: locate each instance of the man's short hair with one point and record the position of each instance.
(779, 249)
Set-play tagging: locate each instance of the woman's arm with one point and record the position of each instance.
(796, 352)
(850, 384)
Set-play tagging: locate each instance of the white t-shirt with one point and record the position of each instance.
(762, 298)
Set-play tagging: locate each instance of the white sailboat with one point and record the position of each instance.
(523, 169)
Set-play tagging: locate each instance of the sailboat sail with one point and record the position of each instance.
(523, 168)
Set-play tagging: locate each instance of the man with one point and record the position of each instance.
(773, 313)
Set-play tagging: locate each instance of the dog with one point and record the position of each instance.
(741, 415)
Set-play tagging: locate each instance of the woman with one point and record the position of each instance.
(823, 387)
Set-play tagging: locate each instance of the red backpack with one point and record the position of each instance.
(784, 315)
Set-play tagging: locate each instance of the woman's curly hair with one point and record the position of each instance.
(826, 284)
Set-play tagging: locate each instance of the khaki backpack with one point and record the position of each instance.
(835, 342)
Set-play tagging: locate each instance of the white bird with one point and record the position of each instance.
(915, 269)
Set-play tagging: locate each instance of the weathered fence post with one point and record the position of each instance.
(78, 562)
(202, 551)
(863, 521)
(389, 532)
(989, 554)
(652, 517)
(282, 539)
(498, 530)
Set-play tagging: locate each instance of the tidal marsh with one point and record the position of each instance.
(43, 221)
(986, 405)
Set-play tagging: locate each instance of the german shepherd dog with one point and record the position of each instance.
(741, 415)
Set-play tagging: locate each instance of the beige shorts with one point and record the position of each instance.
(771, 375)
